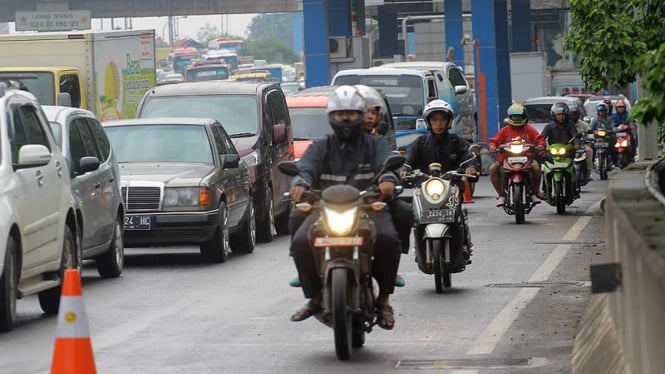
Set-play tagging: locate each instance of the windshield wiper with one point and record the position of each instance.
(242, 135)
(303, 139)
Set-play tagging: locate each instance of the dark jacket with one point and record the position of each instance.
(328, 162)
(557, 134)
(450, 151)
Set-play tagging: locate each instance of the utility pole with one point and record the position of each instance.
(171, 37)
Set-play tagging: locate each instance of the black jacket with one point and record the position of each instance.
(450, 151)
(328, 162)
(557, 134)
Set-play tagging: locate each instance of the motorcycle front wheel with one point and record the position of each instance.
(518, 203)
(602, 166)
(441, 276)
(341, 313)
(559, 198)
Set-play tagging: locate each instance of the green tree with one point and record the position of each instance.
(207, 33)
(277, 26)
(271, 50)
(617, 41)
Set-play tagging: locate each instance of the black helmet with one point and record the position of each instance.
(346, 98)
(574, 114)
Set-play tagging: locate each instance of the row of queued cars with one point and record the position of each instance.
(197, 166)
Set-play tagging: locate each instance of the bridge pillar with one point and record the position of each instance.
(454, 32)
(492, 63)
(317, 60)
(521, 26)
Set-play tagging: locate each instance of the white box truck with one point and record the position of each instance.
(105, 72)
(528, 75)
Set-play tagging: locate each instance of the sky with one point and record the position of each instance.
(236, 25)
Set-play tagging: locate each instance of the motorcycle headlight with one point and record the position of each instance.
(252, 159)
(554, 151)
(516, 148)
(624, 143)
(340, 223)
(562, 151)
(602, 133)
(186, 196)
(435, 188)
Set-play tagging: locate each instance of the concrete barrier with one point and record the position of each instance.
(629, 324)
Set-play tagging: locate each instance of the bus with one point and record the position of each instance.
(183, 57)
(223, 57)
(231, 44)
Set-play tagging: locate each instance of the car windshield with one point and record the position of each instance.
(237, 113)
(39, 84)
(160, 143)
(309, 123)
(56, 129)
(403, 92)
(538, 112)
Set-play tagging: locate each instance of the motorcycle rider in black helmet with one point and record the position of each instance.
(349, 156)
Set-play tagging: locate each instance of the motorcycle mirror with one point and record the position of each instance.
(289, 168)
(467, 161)
(393, 162)
(474, 148)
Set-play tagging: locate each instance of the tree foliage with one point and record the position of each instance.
(277, 26)
(619, 40)
(208, 32)
(271, 50)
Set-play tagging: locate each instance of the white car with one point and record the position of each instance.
(37, 216)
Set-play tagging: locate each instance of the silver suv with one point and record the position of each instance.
(37, 219)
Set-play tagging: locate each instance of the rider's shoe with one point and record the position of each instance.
(534, 199)
(500, 201)
(295, 282)
(399, 281)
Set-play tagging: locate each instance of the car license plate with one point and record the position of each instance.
(517, 159)
(137, 222)
(558, 165)
(621, 134)
(339, 241)
(437, 216)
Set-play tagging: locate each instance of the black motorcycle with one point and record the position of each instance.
(603, 140)
(343, 240)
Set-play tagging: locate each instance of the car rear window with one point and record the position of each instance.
(403, 92)
(309, 123)
(238, 114)
(538, 112)
(160, 143)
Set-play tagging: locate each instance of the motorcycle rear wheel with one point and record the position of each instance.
(518, 203)
(341, 314)
(602, 166)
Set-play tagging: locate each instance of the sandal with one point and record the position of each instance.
(385, 317)
(306, 311)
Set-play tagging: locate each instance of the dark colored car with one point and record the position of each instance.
(256, 117)
(182, 182)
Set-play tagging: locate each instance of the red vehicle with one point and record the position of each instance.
(517, 158)
(624, 145)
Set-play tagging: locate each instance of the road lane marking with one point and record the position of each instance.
(487, 341)
(464, 371)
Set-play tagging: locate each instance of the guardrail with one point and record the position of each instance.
(623, 330)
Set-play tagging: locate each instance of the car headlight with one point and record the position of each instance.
(516, 148)
(186, 196)
(340, 223)
(435, 188)
(252, 159)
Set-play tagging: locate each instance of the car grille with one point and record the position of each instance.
(141, 198)
(405, 124)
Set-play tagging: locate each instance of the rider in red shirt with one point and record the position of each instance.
(517, 119)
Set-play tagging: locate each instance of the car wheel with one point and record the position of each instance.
(111, 262)
(8, 288)
(265, 226)
(217, 249)
(49, 300)
(244, 241)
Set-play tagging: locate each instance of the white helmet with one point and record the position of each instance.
(434, 106)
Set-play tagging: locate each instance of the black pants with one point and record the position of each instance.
(403, 218)
(386, 253)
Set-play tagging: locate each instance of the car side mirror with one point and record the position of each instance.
(460, 90)
(230, 161)
(87, 164)
(64, 99)
(420, 123)
(33, 155)
(279, 133)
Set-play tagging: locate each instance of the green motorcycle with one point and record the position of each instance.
(559, 180)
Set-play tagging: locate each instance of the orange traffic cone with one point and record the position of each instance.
(73, 349)
(467, 192)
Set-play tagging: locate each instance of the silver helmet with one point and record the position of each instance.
(346, 98)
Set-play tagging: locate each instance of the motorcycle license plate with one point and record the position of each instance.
(517, 159)
(437, 216)
(339, 241)
(601, 144)
(560, 165)
(621, 134)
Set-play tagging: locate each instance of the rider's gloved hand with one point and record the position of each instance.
(296, 193)
(540, 147)
(386, 189)
(470, 171)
